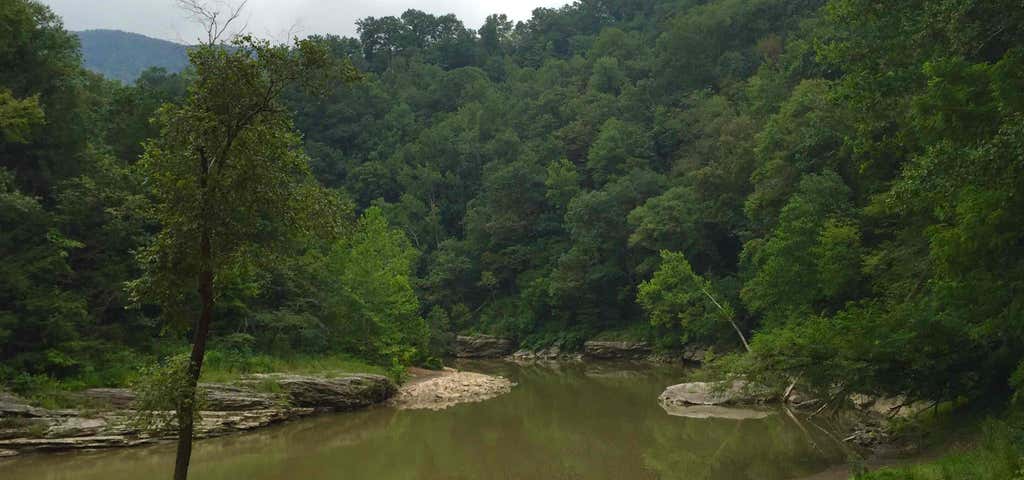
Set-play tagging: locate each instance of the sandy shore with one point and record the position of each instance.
(437, 390)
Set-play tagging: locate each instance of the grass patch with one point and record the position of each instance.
(218, 367)
(267, 386)
(50, 393)
(998, 455)
(634, 332)
(221, 367)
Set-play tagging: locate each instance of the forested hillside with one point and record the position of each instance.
(840, 179)
(124, 56)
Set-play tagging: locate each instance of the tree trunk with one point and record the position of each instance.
(728, 316)
(186, 411)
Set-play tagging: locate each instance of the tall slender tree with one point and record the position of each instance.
(230, 179)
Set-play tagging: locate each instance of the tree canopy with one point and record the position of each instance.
(843, 177)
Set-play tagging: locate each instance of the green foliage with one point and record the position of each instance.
(809, 257)
(638, 332)
(840, 179)
(18, 117)
(226, 366)
(565, 338)
(227, 165)
(619, 148)
(669, 221)
(162, 391)
(369, 300)
(999, 455)
(677, 295)
(40, 315)
(442, 336)
(40, 60)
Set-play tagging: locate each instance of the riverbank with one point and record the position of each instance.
(493, 347)
(596, 420)
(105, 419)
(253, 401)
(886, 438)
(992, 452)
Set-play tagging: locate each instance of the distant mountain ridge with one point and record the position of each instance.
(123, 55)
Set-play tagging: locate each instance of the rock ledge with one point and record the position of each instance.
(715, 393)
(607, 350)
(482, 346)
(228, 409)
(449, 389)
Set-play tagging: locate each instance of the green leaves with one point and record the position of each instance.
(794, 271)
(678, 295)
(368, 294)
(620, 147)
(39, 314)
(40, 71)
(18, 117)
(161, 390)
(228, 163)
(842, 178)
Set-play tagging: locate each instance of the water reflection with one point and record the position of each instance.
(576, 421)
(714, 411)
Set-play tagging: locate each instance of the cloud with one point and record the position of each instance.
(275, 18)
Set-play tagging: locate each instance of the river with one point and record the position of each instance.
(575, 421)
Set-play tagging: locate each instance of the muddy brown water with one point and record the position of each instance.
(577, 421)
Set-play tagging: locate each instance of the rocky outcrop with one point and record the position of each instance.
(550, 354)
(450, 388)
(219, 398)
(231, 398)
(715, 393)
(693, 355)
(115, 429)
(347, 392)
(107, 422)
(608, 350)
(20, 445)
(482, 346)
(223, 423)
(13, 406)
(107, 397)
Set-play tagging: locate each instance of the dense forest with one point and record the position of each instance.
(841, 181)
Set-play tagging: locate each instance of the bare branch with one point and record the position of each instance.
(285, 35)
(210, 14)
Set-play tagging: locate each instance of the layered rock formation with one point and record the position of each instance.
(483, 346)
(615, 350)
(227, 409)
(715, 393)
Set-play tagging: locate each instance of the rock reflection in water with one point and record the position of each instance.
(714, 411)
(592, 421)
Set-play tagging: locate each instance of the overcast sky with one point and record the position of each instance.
(274, 18)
